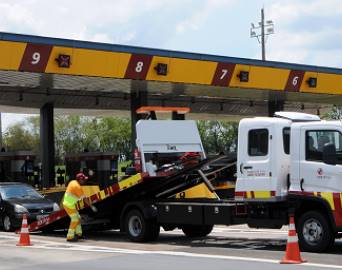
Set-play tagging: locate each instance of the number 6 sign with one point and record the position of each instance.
(35, 58)
(294, 80)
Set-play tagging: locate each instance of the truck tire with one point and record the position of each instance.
(314, 232)
(139, 229)
(197, 230)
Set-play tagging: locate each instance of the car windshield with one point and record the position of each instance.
(18, 191)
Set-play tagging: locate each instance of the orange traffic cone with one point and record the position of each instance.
(292, 255)
(24, 234)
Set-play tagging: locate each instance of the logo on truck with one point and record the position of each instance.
(320, 171)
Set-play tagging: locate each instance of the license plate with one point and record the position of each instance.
(39, 217)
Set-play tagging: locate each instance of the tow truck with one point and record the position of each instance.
(289, 164)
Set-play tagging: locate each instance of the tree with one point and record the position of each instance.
(74, 134)
(21, 136)
(217, 136)
(334, 114)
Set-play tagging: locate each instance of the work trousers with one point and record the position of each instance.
(75, 223)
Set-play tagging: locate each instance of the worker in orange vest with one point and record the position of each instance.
(73, 194)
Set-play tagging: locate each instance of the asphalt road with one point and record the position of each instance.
(226, 248)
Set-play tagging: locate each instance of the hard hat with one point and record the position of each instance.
(81, 176)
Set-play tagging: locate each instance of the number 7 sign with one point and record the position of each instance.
(223, 74)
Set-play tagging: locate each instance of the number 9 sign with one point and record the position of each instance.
(35, 58)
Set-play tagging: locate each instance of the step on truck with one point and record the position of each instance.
(287, 164)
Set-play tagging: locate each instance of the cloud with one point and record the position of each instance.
(307, 32)
(198, 18)
(76, 19)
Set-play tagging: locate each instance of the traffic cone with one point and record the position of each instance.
(292, 255)
(24, 239)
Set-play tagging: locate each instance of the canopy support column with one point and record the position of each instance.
(138, 99)
(47, 145)
(275, 106)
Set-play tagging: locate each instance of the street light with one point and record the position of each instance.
(262, 30)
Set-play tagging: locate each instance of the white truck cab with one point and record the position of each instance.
(263, 161)
(292, 161)
(292, 152)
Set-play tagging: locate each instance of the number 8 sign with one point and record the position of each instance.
(138, 66)
(35, 58)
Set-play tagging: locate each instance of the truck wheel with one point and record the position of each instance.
(314, 232)
(154, 231)
(139, 229)
(197, 230)
(7, 224)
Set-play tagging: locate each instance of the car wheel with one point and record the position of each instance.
(7, 223)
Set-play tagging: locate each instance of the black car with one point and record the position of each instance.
(17, 199)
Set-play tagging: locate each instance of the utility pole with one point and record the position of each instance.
(261, 31)
(263, 54)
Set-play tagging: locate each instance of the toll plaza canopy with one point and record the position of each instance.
(74, 74)
(50, 74)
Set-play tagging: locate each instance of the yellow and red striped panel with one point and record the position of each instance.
(259, 194)
(334, 200)
(20, 56)
(111, 190)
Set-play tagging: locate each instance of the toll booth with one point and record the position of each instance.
(100, 167)
(19, 167)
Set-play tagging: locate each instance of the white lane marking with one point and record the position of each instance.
(85, 248)
(231, 230)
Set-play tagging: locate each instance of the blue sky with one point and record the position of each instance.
(307, 31)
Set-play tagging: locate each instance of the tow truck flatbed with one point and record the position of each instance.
(140, 187)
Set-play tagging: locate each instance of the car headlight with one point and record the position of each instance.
(20, 209)
(56, 207)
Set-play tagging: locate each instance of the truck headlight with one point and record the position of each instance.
(20, 209)
(56, 207)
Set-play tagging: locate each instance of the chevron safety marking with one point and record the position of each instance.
(259, 194)
(334, 199)
(102, 195)
(337, 197)
(329, 197)
(131, 181)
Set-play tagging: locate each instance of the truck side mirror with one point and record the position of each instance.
(329, 154)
